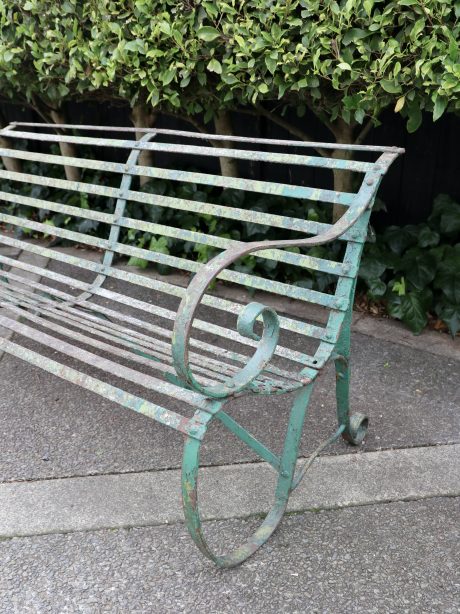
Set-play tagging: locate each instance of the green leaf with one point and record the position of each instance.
(138, 262)
(354, 34)
(371, 268)
(415, 119)
(445, 215)
(344, 66)
(399, 238)
(368, 5)
(376, 288)
(419, 25)
(450, 221)
(208, 33)
(271, 64)
(419, 267)
(390, 86)
(168, 76)
(427, 237)
(215, 66)
(449, 283)
(410, 309)
(439, 107)
(450, 315)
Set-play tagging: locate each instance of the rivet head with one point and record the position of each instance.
(369, 181)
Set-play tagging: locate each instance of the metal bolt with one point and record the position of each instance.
(369, 181)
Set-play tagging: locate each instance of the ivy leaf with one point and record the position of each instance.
(450, 315)
(428, 237)
(449, 283)
(399, 238)
(410, 309)
(376, 288)
(371, 268)
(419, 267)
(138, 262)
(208, 33)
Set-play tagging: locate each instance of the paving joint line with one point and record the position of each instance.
(256, 515)
(232, 491)
(236, 463)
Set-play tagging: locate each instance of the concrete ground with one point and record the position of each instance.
(90, 517)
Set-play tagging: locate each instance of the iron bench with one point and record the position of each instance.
(182, 361)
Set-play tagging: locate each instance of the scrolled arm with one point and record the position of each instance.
(247, 319)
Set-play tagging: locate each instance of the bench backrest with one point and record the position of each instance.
(46, 196)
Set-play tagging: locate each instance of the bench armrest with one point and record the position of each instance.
(247, 318)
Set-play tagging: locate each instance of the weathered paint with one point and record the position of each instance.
(173, 353)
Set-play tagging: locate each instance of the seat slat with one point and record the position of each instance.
(248, 185)
(305, 359)
(123, 333)
(52, 318)
(196, 150)
(104, 364)
(13, 304)
(170, 418)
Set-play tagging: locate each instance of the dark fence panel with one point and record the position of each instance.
(430, 166)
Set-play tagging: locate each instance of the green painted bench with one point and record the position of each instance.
(189, 366)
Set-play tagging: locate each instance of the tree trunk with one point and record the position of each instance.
(11, 164)
(144, 116)
(223, 125)
(343, 180)
(72, 173)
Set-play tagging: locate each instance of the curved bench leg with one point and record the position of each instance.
(190, 468)
(355, 424)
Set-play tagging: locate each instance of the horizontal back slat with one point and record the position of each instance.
(295, 292)
(195, 150)
(248, 185)
(234, 213)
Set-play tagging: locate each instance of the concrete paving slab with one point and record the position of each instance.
(231, 491)
(412, 400)
(384, 559)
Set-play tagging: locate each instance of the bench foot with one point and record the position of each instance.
(284, 488)
(193, 518)
(357, 429)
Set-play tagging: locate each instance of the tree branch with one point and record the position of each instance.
(291, 128)
(364, 132)
(194, 122)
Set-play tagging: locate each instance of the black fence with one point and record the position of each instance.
(430, 166)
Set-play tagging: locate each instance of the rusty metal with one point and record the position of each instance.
(191, 369)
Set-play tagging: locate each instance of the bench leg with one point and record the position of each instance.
(355, 424)
(283, 490)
